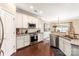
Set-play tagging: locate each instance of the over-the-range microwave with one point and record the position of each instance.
(31, 25)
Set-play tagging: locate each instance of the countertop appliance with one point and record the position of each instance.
(54, 41)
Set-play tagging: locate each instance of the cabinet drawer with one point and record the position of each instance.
(26, 43)
(19, 43)
(26, 38)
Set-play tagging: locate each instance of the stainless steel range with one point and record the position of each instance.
(33, 38)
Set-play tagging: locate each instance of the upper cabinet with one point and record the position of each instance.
(25, 21)
(22, 21)
(19, 20)
(41, 25)
(36, 20)
(31, 20)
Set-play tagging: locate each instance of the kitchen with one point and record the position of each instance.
(28, 31)
(24, 27)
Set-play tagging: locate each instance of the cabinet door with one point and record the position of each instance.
(41, 25)
(29, 19)
(37, 23)
(26, 40)
(19, 20)
(25, 21)
(61, 44)
(20, 42)
(26, 43)
(67, 48)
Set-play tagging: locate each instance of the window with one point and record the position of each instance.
(63, 28)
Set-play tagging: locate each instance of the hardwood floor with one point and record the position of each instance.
(39, 49)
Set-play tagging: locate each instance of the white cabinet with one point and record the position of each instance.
(41, 25)
(19, 20)
(22, 21)
(37, 23)
(25, 21)
(9, 32)
(65, 46)
(61, 44)
(19, 42)
(26, 40)
(23, 41)
(32, 20)
(29, 19)
(40, 37)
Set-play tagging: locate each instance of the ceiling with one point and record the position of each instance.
(51, 11)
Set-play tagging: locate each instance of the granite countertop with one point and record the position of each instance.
(26, 34)
(75, 41)
(21, 35)
(71, 41)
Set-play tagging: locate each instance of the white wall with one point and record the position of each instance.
(76, 26)
(8, 7)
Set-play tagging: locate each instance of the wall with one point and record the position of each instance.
(75, 24)
(8, 7)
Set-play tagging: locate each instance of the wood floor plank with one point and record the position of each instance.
(39, 49)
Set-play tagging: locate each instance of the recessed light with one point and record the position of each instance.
(31, 7)
(40, 12)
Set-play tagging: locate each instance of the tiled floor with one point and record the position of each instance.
(39, 49)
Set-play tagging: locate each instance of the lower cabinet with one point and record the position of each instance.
(40, 37)
(23, 41)
(65, 46)
(19, 42)
(61, 44)
(26, 40)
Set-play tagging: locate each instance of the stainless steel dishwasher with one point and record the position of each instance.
(54, 41)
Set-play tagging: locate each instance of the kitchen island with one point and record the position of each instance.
(70, 47)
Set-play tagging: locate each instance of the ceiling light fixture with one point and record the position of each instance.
(31, 7)
(40, 12)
